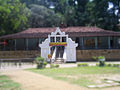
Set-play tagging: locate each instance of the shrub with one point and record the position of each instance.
(97, 64)
(57, 65)
(41, 63)
(94, 57)
(54, 66)
(100, 59)
(82, 65)
(109, 65)
(116, 65)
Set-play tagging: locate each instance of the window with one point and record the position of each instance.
(89, 42)
(116, 42)
(103, 42)
(63, 39)
(20, 44)
(33, 44)
(52, 39)
(57, 39)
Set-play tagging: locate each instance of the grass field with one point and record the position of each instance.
(82, 76)
(7, 84)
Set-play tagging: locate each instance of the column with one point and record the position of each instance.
(79, 44)
(96, 43)
(109, 46)
(15, 44)
(26, 44)
(49, 38)
(55, 38)
(66, 38)
(60, 38)
(82, 42)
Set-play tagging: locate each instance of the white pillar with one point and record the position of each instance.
(49, 38)
(55, 38)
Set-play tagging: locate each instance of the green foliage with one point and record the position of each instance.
(43, 17)
(98, 58)
(13, 16)
(54, 66)
(116, 65)
(101, 57)
(112, 65)
(57, 65)
(82, 64)
(45, 63)
(109, 65)
(95, 57)
(39, 60)
(97, 64)
(41, 63)
(7, 84)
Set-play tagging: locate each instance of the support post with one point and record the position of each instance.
(26, 44)
(82, 42)
(109, 46)
(55, 38)
(15, 44)
(96, 43)
(0, 63)
(49, 38)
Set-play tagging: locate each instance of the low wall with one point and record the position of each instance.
(86, 55)
(82, 55)
(19, 54)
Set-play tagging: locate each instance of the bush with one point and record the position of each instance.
(116, 65)
(54, 66)
(100, 59)
(109, 65)
(41, 63)
(57, 65)
(97, 64)
(82, 65)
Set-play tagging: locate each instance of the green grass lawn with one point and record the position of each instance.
(82, 76)
(7, 84)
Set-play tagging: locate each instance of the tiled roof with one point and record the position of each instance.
(71, 31)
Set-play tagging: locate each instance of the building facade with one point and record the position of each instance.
(88, 39)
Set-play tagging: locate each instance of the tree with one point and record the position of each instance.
(81, 12)
(13, 16)
(100, 15)
(43, 17)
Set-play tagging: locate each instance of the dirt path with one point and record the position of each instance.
(33, 81)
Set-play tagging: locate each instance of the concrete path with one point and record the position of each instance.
(33, 81)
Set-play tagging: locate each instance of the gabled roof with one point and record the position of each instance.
(71, 31)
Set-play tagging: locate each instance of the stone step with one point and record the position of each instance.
(59, 61)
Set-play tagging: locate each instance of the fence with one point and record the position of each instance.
(16, 62)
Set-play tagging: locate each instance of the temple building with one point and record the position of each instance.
(91, 40)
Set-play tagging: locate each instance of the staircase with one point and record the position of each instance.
(59, 55)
